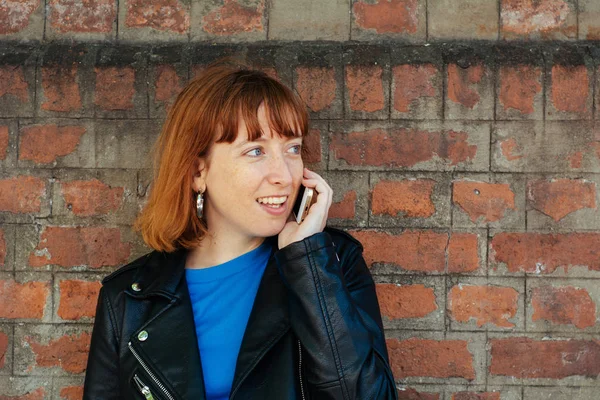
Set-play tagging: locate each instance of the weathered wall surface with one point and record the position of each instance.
(460, 138)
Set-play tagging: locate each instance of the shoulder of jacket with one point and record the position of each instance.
(341, 238)
(126, 271)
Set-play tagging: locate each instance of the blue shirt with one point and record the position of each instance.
(222, 298)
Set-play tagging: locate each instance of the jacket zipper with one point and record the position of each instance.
(150, 374)
(300, 369)
(143, 388)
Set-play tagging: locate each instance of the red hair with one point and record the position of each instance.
(208, 110)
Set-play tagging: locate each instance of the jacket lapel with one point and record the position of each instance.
(171, 348)
(268, 321)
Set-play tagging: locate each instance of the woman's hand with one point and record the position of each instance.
(317, 214)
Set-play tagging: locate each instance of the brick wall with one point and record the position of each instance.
(460, 139)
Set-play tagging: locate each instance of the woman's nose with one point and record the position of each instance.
(279, 171)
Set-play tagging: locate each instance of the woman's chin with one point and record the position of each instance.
(273, 229)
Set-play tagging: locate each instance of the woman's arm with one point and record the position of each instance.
(335, 314)
(102, 373)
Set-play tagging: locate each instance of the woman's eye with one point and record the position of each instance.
(296, 149)
(255, 152)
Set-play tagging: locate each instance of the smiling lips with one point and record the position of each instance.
(272, 201)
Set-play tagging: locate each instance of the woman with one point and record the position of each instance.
(273, 308)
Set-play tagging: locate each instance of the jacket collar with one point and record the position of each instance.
(163, 275)
(268, 321)
(159, 276)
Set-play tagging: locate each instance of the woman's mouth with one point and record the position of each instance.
(273, 204)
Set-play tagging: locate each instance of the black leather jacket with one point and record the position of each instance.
(314, 332)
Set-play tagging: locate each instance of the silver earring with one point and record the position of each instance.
(200, 204)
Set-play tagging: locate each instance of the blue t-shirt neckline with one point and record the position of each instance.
(228, 268)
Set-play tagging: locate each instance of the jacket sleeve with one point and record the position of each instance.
(102, 372)
(335, 314)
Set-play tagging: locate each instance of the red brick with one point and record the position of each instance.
(22, 194)
(409, 198)
(37, 394)
(593, 33)
(387, 16)
(23, 300)
(92, 16)
(234, 18)
(168, 84)
(413, 82)
(421, 251)
(522, 357)
(570, 88)
(558, 198)
(575, 159)
(525, 17)
(518, 87)
(3, 348)
(196, 70)
(365, 88)
(489, 201)
(405, 301)
(43, 144)
(78, 299)
(463, 254)
(430, 358)
(544, 253)
(311, 146)
(87, 198)
(460, 84)
(412, 394)
(12, 81)
(316, 87)
(163, 15)
(71, 393)
(564, 305)
(595, 147)
(14, 17)
(485, 304)
(511, 149)
(2, 248)
(3, 142)
(476, 396)
(71, 246)
(67, 352)
(115, 88)
(401, 147)
(60, 88)
(345, 208)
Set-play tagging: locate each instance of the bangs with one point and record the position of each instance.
(286, 114)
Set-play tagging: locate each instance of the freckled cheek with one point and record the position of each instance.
(299, 174)
(244, 180)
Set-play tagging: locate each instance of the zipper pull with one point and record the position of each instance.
(143, 388)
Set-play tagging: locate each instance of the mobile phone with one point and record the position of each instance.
(306, 198)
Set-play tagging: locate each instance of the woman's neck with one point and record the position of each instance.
(218, 249)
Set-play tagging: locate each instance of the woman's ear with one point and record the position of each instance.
(199, 175)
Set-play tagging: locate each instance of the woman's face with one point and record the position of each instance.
(251, 186)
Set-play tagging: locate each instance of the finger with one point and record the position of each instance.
(324, 191)
(313, 175)
(321, 205)
(308, 174)
(318, 184)
(310, 171)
